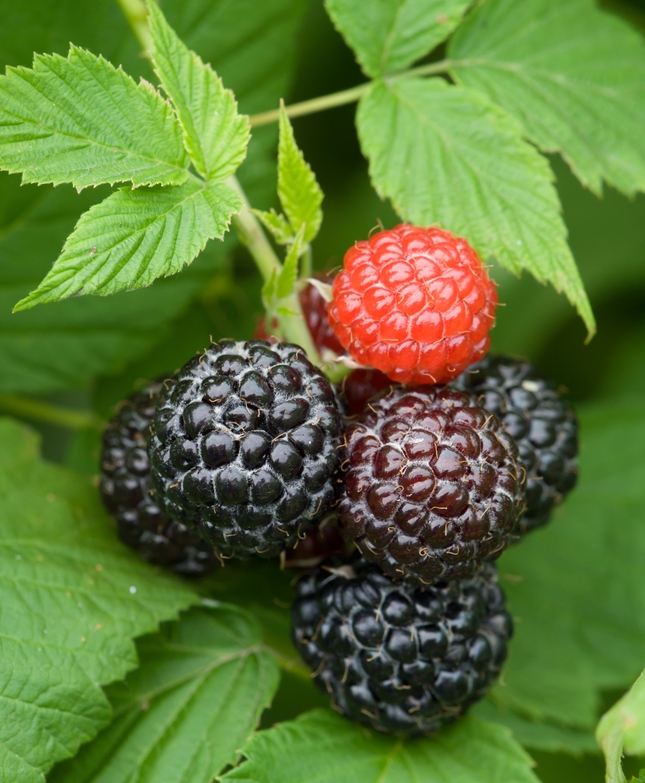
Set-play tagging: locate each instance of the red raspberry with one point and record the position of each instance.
(415, 303)
(314, 309)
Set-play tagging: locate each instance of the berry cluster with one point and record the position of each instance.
(249, 450)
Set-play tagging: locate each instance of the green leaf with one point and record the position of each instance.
(323, 746)
(575, 586)
(60, 346)
(446, 155)
(572, 74)
(276, 224)
(538, 735)
(623, 729)
(215, 135)
(289, 273)
(135, 236)
(81, 120)
(195, 699)
(299, 192)
(72, 597)
(389, 35)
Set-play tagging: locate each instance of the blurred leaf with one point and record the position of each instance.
(389, 35)
(81, 120)
(572, 74)
(215, 135)
(72, 597)
(538, 735)
(60, 346)
(575, 586)
(623, 729)
(486, 183)
(299, 191)
(196, 697)
(135, 236)
(323, 746)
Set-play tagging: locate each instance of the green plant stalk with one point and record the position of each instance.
(292, 323)
(37, 410)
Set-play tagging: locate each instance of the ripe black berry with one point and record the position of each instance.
(245, 445)
(542, 424)
(126, 492)
(433, 485)
(400, 658)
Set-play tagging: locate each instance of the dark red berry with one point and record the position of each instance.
(360, 385)
(402, 659)
(433, 484)
(322, 541)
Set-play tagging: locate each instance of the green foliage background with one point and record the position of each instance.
(577, 587)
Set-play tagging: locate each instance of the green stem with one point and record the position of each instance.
(37, 410)
(352, 95)
(136, 15)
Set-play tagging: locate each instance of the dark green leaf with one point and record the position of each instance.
(446, 155)
(72, 597)
(182, 716)
(289, 273)
(322, 746)
(572, 74)
(575, 586)
(389, 35)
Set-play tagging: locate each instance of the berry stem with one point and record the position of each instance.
(351, 95)
(136, 15)
(37, 410)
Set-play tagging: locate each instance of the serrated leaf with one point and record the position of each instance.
(215, 135)
(60, 346)
(276, 224)
(81, 120)
(323, 746)
(389, 35)
(136, 236)
(181, 717)
(298, 189)
(446, 155)
(575, 585)
(574, 76)
(72, 597)
(289, 273)
(623, 729)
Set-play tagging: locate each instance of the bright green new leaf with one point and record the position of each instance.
(298, 189)
(81, 120)
(389, 35)
(215, 135)
(72, 597)
(623, 728)
(289, 272)
(446, 155)
(576, 585)
(136, 236)
(181, 717)
(322, 746)
(278, 225)
(573, 74)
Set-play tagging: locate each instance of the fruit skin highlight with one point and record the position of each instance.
(414, 303)
(543, 425)
(433, 484)
(245, 445)
(399, 658)
(127, 492)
